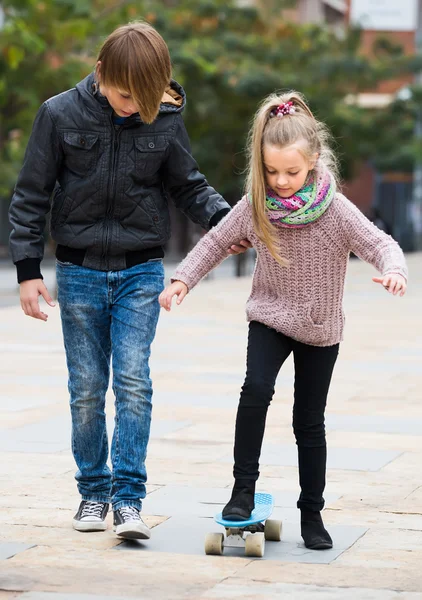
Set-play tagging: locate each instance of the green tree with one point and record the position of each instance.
(227, 57)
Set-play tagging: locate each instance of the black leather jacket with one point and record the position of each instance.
(108, 185)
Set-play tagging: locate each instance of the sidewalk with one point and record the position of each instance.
(374, 483)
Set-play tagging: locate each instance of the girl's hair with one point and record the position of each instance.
(299, 124)
(135, 59)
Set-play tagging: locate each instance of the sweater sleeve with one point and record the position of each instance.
(370, 243)
(212, 248)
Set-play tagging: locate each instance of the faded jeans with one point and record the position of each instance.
(110, 315)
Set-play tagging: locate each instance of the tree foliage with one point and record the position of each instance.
(227, 57)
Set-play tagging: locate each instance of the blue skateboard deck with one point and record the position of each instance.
(264, 504)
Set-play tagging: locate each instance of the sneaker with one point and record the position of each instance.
(128, 524)
(241, 503)
(91, 516)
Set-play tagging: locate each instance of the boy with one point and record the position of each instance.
(109, 151)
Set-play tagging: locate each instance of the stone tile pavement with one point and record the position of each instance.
(374, 488)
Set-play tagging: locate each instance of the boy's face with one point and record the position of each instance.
(120, 100)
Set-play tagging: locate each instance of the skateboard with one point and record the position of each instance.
(250, 534)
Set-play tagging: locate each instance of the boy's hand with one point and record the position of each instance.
(393, 283)
(239, 248)
(177, 288)
(29, 292)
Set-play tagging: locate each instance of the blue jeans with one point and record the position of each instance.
(110, 314)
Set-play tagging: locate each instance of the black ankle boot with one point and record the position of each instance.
(314, 534)
(241, 503)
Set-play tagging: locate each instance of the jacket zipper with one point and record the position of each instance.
(113, 185)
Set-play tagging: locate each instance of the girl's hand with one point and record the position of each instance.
(177, 288)
(393, 283)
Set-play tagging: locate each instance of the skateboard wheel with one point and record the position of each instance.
(272, 530)
(214, 543)
(255, 545)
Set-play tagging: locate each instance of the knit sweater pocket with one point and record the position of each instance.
(295, 320)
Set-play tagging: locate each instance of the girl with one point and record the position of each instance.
(303, 230)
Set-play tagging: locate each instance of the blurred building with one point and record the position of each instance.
(389, 195)
(330, 12)
(396, 21)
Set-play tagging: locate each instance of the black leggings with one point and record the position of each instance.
(267, 351)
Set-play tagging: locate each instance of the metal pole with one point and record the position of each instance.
(417, 174)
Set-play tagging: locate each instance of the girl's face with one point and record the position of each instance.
(286, 168)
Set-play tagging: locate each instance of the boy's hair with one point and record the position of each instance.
(135, 58)
(299, 124)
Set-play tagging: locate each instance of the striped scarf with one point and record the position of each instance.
(306, 205)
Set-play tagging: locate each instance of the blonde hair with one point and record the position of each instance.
(135, 58)
(281, 132)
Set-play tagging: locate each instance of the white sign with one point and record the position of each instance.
(385, 15)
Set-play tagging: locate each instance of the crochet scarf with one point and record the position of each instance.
(306, 205)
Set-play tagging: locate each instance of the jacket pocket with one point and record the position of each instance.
(81, 151)
(149, 154)
(154, 214)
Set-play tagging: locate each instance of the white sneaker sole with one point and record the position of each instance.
(89, 525)
(133, 531)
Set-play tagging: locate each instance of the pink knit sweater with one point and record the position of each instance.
(304, 300)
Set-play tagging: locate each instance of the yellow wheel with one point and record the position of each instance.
(255, 545)
(214, 543)
(272, 530)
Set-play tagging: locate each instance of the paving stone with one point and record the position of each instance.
(14, 582)
(378, 423)
(234, 589)
(356, 459)
(375, 395)
(54, 435)
(30, 349)
(33, 379)
(186, 535)
(9, 549)
(408, 352)
(365, 575)
(212, 377)
(194, 399)
(63, 596)
(376, 367)
(171, 500)
(19, 403)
